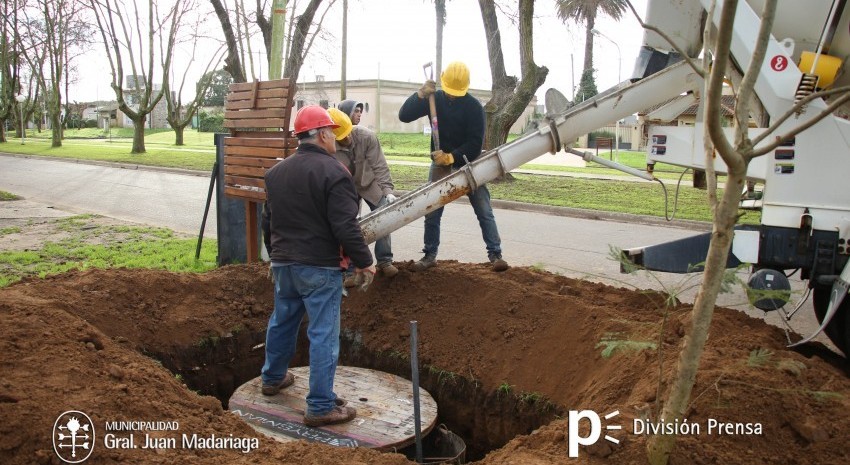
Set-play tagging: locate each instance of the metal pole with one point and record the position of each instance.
(23, 125)
(206, 209)
(278, 33)
(414, 368)
(619, 80)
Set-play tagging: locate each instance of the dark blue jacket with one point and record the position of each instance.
(310, 214)
(460, 122)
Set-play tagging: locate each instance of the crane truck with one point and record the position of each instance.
(805, 204)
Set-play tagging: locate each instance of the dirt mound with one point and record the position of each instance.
(504, 353)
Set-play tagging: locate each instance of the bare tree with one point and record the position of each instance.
(179, 116)
(737, 156)
(9, 64)
(121, 30)
(303, 30)
(510, 95)
(58, 21)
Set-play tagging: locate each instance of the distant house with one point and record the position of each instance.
(681, 111)
(381, 101)
(156, 119)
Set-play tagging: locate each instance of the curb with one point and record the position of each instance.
(500, 204)
(126, 166)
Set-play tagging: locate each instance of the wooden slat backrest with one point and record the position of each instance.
(257, 115)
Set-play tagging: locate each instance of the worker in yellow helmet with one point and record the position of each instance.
(461, 136)
(360, 151)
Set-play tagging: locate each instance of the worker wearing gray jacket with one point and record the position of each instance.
(360, 151)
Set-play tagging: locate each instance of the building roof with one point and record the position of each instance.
(727, 107)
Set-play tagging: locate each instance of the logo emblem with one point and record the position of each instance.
(73, 436)
(595, 429)
(779, 63)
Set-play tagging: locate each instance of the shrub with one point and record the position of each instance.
(211, 122)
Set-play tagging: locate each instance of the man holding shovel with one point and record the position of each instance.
(457, 141)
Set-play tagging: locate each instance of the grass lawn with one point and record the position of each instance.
(92, 241)
(592, 194)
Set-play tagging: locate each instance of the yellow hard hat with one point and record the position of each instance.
(343, 121)
(455, 79)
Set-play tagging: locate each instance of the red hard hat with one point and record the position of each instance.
(312, 117)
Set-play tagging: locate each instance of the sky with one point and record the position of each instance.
(392, 39)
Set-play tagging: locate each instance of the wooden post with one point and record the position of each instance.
(251, 232)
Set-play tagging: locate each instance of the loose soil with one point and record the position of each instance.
(133, 344)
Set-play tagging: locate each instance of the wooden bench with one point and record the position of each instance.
(605, 143)
(257, 115)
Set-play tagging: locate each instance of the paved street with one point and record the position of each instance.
(571, 246)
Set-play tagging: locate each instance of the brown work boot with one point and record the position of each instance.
(272, 389)
(498, 263)
(424, 263)
(336, 415)
(388, 269)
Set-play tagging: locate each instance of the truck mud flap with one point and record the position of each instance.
(680, 256)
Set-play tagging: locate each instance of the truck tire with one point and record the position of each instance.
(838, 329)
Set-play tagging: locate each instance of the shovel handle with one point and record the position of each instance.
(435, 131)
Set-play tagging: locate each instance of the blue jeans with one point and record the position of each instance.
(480, 201)
(318, 291)
(383, 246)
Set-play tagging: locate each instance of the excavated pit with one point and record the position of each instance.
(216, 366)
(504, 354)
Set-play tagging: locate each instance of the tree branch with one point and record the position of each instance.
(715, 86)
(796, 108)
(834, 105)
(746, 90)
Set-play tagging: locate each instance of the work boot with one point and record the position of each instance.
(498, 263)
(388, 269)
(336, 415)
(272, 389)
(424, 263)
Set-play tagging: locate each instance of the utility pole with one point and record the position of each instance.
(278, 32)
(342, 80)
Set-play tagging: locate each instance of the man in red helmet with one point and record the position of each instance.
(310, 229)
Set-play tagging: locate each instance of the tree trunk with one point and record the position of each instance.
(440, 7)
(588, 44)
(2, 130)
(659, 446)
(510, 96)
(178, 134)
(56, 133)
(138, 135)
(296, 51)
(232, 64)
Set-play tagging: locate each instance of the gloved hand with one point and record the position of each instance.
(427, 89)
(363, 277)
(270, 274)
(391, 198)
(442, 158)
